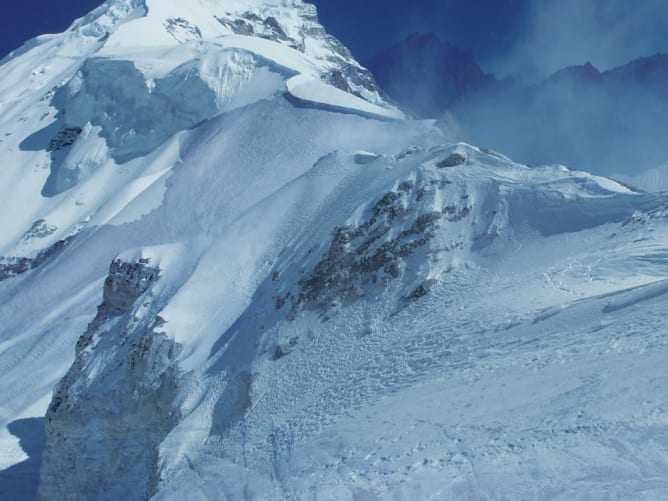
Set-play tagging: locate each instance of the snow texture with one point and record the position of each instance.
(247, 276)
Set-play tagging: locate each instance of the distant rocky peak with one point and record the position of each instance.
(425, 74)
(579, 74)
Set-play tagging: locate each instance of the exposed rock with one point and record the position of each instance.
(108, 415)
(420, 291)
(408, 152)
(361, 256)
(40, 229)
(238, 26)
(125, 283)
(355, 80)
(364, 158)
(452, 161)
(275, 29)
(13, 266)
(346, 74)
(182, 30)
(66, 137)
(282, 350)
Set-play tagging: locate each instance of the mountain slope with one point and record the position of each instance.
(247, 276)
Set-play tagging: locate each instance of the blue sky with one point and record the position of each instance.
(520, 37)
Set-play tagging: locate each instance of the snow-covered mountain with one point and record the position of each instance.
(248, 276)
(428, 76)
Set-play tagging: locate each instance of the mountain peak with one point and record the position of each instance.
(439, 73)
(585, 74)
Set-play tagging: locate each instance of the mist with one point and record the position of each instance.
(559, 33)
(545, 104)
(612, 124)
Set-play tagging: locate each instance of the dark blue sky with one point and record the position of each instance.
(522, 37)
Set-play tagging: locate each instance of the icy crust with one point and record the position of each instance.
(140, 103)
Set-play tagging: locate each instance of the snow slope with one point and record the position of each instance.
(233, 271)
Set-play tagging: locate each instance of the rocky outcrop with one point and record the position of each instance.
(40, 229)
(115, 405)
(373, 252)
(428, 76)
(452, 161)
(181, 29)
(346, 74)
(14, 266)
(66, 137)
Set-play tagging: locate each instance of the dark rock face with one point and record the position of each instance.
(14, 266)
(40, 229)
(419, 292)
(372, 253)
(109, 414)
(125, 283)
(275, 29)
(600, 121)
(577, 76)
(347, 76)
(604, 122)
(66, 137)
(251, 24)
(452, 161)
(238, 26)
(427, 76)
(176, 25)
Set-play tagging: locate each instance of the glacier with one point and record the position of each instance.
(232, 268)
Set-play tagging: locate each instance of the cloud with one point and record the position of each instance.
(368, 27)
(607, 33)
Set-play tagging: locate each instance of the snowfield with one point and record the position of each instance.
(230, 269)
